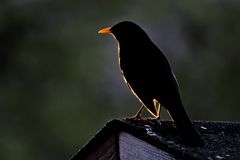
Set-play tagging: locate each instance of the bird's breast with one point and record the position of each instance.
(132, 65)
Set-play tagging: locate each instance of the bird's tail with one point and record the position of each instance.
(183, 123)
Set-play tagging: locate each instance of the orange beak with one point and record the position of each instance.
(105, 31)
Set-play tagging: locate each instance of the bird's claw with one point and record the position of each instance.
(136, 117)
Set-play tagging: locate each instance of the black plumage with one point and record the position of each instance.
(148, 74)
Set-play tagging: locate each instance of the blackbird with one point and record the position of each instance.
(149, 76)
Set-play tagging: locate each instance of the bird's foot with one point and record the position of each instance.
(136, 117)
(154, 119)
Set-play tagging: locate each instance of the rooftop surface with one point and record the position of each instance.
(222, 139)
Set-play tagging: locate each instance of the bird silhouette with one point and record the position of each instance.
(149, 76)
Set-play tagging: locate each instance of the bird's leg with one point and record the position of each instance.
(157, 116)
(158, 111)
(138, 115)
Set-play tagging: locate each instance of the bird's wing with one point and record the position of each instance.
(163, 81)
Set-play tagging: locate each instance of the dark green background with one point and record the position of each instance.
(60, 81)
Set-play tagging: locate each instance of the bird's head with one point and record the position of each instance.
(126, 32)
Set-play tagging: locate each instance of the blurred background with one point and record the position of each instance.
(60, 81)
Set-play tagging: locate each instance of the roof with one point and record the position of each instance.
(222, 139)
